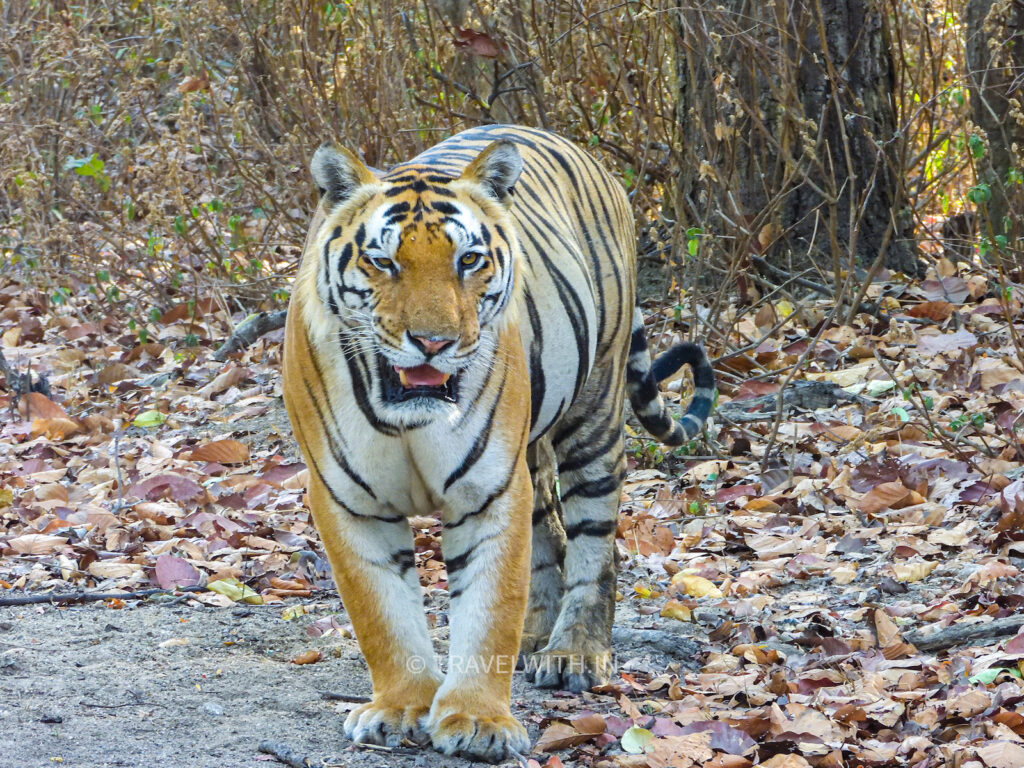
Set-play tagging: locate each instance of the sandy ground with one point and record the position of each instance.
(92, 687)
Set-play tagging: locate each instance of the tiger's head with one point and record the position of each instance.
(419, 268)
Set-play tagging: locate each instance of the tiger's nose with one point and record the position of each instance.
(431, 345)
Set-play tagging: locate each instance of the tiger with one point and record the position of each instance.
(461, 338)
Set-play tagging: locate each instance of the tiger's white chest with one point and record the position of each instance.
(416, 471)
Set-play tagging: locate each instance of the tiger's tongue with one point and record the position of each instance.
(421, 376)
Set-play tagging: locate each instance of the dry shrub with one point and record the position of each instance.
(160, 147)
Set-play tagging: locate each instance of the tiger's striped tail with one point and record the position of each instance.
(643, 375)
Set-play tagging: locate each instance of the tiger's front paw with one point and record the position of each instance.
(477, 737)
(574, 671)
(387, 726)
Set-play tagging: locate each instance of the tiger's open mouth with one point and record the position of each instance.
(402, 384)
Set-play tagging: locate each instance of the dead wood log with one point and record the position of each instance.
(959, 635)
(248, 331)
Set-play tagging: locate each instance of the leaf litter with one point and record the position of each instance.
(803, 576)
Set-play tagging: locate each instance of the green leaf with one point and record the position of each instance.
(988, 676)
(976, 145)
(91, 166)
(149, 419)
(876, 387)
(902, 414)
(980, 193)
(636, 739)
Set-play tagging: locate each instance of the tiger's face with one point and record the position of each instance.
(419, 268)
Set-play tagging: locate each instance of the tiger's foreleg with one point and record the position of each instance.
(487, 553)
(374, 567)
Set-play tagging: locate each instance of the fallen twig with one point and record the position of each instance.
(88, 597)
(289, 756)
(351, 698)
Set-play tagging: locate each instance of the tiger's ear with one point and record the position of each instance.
(338, 173)
(496, 169)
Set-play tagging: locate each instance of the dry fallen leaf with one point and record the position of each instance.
(695, 586)
(221, 452)
(911, 572)
(307, 657)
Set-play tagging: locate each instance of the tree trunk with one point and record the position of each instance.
(788, 125)
(995, 75)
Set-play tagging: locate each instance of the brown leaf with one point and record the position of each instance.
(194, 83)
(189, 310)
(231, 376)
(559, 736)
(177, 487)
(171, 572)
(590, 724)
(307, 657)
(113, 569)
(932, 344)
(222, 452)
(115, 372)
(883, 496)
(38, 406)
(54, 429)
(35, 544)
(933, 310)
(886, 631)
(785, 761)
(953, 288)
(1002, 754)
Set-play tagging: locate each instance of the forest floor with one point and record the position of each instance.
(835, 585)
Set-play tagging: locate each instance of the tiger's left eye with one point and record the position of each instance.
(470, 260)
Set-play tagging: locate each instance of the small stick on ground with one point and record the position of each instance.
(389, 750)
(349, 697)
(88, 597)
(289, 756)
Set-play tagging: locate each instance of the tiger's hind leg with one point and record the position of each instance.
(548, 551)
(591, 468)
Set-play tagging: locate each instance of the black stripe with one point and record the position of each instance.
(405, 559)
(497, 493)
(591, 528)
(541, 513)
(444, 208)
(458, 562)
(592, 489)
(537, 383)
(585, 457)
(480, 444)
(344, 507)
(336, 450)
(358, 370)
(637, 341)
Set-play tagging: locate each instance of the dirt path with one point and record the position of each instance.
(191, 686)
